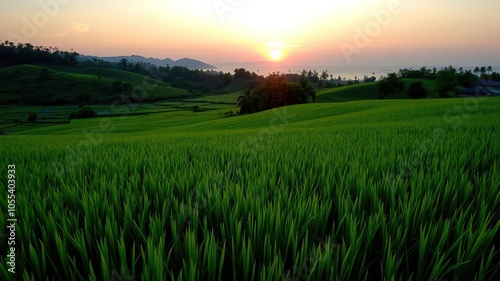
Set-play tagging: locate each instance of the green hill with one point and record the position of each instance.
(29, 85)
(333, 115)
(237, 85)
(362, 190)
(225, 98)
(367, 91)
(115, 74)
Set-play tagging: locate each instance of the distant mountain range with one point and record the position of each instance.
(185, 62)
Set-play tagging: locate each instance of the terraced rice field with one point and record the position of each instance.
(371, 190)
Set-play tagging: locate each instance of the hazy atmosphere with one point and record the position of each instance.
(249, 140)
(357, 32)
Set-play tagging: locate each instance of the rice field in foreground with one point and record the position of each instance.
(373, 190)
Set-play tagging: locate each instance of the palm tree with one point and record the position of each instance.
(483, 70)
(247, 102)
(307, 87)
(324, 75)
(490, 69)
(476, 71)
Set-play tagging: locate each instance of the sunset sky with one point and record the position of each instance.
(355, 32)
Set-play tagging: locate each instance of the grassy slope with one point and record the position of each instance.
(367, 91)
(114, 74)
(334, 179)
(358, 113)
(227, 98)
(72, 82)
(237, 85)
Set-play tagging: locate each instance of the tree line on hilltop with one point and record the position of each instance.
(274, 91)
(193, 80)
(447, 80)
(15, 54)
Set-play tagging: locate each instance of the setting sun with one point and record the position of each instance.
(275, 54)
(275, 50)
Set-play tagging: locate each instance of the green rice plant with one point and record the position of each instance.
(373, 190)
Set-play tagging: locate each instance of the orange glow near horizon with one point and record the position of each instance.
(275, 51)
(275, 55)
(290, 32)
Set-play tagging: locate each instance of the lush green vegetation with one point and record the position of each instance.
(366, 91)
(366, 190)
(390, 85)
(275, 91)
(196, 81)
(14, 119)
(14, 54)
(224, 98)
(416, 90)
(464, 77)
(32, 85)
(445, 82)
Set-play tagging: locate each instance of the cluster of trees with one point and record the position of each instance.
(327, 80)
(318, 80)
(324, 80)
(447, 80)
(481, 72)
(484, 72)
(275, 91)
(193, 80)
(280, 89)
(462, 77)
(422, 73)
(83, 112)
(416, 90)
(204, 82)
(198, 80)
(393, 83)
(241, 73)
(390, 85)
(13, 54)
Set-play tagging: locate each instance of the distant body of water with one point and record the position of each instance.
(347, 72)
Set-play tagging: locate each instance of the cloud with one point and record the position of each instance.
(78, 27)
(74, 28)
